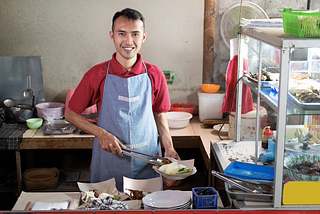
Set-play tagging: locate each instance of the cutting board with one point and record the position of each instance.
(301, 193)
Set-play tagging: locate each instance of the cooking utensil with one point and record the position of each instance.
(20, 113)
(230, 181)
(32, 101)
(28, 93)
(156, 160)
(8, 103)
(263, 187)
(58, 127)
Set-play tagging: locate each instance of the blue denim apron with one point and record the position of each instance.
(126, 112)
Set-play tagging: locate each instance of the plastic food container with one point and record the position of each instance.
(210, 105)
(204, 201)
(210, 88)
(177, 119)
(34, 123)
(248, 171)
(301, 23)
(50, 110)
(185, 107)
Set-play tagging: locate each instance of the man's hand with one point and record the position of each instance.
(107, 141)
(110, 143)
(171, 153)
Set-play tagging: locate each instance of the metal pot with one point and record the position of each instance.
(21, 113)
(2, 116)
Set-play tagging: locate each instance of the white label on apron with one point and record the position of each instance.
(138, 145)
(127, 99)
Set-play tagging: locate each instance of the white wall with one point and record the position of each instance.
(72, 35)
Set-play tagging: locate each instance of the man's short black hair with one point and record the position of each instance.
(129, 14)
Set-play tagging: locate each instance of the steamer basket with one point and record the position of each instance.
(41, 178)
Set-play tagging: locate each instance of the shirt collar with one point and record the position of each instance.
(117, 68)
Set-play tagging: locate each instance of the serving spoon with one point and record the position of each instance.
(28, 93)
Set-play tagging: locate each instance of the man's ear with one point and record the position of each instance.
(144, 36)
(111, 35)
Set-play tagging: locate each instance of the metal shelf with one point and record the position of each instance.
(271, 98)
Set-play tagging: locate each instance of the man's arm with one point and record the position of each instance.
(107, 141)
(163, 129)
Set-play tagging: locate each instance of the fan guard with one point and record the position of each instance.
(229, 25)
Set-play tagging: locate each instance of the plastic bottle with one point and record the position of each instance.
(266, 135)
(269, 156)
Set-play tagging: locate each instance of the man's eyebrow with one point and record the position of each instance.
(123, 31)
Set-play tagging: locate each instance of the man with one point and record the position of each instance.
(132, 97)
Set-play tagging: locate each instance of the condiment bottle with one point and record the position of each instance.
(266, 135)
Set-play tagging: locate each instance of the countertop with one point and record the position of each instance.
(194, 129)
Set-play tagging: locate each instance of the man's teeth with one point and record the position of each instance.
(128, 49)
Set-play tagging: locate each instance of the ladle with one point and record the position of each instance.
(8, 103)
(28, 93)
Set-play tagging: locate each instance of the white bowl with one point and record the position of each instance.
(178, 119)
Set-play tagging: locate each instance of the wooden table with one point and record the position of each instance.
(192, 136)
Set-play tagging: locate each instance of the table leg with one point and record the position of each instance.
(19, 173)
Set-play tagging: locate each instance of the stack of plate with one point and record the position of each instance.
(167, 200)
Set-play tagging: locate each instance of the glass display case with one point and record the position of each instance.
(282, 73)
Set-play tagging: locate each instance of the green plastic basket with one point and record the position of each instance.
(301, 23)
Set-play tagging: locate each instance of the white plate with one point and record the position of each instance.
(175, 177)
(183, 207)
(166, 199)
(224, 130)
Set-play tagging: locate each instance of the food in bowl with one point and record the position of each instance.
(178, 119)
(174, 169)
(210, 88)
(34, 123)
(303, 167)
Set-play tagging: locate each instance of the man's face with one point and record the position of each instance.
(128, 36)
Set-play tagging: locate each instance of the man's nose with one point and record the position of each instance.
(128, 38)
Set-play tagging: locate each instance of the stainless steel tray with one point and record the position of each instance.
(307, 106)
(264, 84)
(57, 127)
(237, 194)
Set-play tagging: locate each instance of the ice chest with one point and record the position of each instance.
(248, 123)
(210, 105)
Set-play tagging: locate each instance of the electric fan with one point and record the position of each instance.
(229, 25)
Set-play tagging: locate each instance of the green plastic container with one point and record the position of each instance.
(301, 23)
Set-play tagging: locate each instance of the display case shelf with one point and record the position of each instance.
(271, 98)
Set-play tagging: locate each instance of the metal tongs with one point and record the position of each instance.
(156, 160)
(263, 188)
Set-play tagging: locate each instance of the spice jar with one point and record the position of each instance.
(267, 134)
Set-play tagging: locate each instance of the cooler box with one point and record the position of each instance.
(210, 105)
(248, 123)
